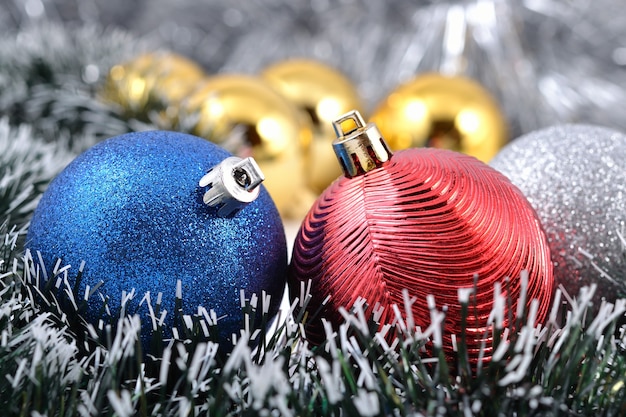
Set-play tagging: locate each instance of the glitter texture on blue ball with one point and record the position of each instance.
(131, 208)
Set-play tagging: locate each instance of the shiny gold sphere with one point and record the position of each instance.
(155, 81)
(453, 113)
(249, 118)
(322, 93)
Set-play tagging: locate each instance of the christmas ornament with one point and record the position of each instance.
(575, 177)
(132, 208)
(443, 112)
(322, 93)
(247, 117)
(425, 220)
(152, 82)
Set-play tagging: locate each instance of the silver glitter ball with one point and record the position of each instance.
(575, 178)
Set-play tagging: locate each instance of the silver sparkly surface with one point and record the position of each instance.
(575, 178)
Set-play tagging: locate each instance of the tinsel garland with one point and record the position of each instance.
(27, 165)
(49, 76)
(50, 368)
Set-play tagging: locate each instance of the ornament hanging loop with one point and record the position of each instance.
(359, 146)
(232, 184)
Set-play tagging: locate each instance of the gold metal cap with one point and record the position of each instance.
(359, 147)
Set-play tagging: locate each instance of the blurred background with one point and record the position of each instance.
(545, 61)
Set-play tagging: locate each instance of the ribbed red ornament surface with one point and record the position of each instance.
(427, 221)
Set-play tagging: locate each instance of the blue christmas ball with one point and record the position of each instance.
(132, 209)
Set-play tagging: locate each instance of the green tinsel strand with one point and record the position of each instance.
(27, 165)
(50, 75)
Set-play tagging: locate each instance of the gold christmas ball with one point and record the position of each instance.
(438, 111)
(322, 94)
(152, 82)
(249, 118)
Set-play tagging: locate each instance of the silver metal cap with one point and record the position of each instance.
(359, 147)
(232, 184)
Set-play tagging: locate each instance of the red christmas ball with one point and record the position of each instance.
(425, 220)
